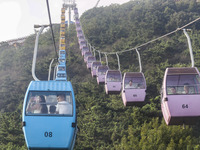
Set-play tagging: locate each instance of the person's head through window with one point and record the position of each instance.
(130, 83)
(41, 99)
(186, 88)
(173, 90)
(61, 97)
(52, 109)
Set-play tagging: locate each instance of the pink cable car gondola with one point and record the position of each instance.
(134, 87)
(181, 93)
(113, 82)
(94, 66)
(101, 72)
(75, 10)
(84, 50)
(86, 55)
(113, 79)
(82, 44)
(78, 28)
(181, 96)
(90, 59)
(79, 33)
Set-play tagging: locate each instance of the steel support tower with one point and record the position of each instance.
(69, 5)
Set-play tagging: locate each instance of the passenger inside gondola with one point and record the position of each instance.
(63, 107)
(134, 83)
(129, 85)
(52, 109)
(37, 105)
(47, 103)
(185, 84)
(172, 90)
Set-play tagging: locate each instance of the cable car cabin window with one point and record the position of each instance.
(90, 60)
(61, 68)
(183, 84)
(49, 103)
(114, 78)
(83, 42)
(134, 83)
(102, 72)
(62, 52)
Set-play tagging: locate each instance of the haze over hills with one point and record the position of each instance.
(103, 120)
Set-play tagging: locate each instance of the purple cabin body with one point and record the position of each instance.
(84, 50)
(75, 10)
(82, 44)
(101, 73)
(113, 82)
(134, 88)
(79, 33)
(94, 66)
(90, 59)
(77, 21)
(181, 96)
(78, 28)
(81, 40)
(86, 55)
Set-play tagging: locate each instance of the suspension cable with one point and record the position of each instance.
(139, 59)
(99, 56)
(118, 61)
(97, 3)
(51, 29)
(178, 29)
(106, 59)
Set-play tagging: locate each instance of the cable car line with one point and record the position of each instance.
(190, 47)
(49, 108)
(49, 14)
(140, 64)
(134, 86)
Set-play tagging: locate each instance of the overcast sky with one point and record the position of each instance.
(19, 16)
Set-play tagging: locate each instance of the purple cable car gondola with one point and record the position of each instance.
(86, 54)
(82, 44)
(181, 96)
(78, 27)
(84, 50)
(101, 72)
(76, 10)
(113, 82)
(81, 39)
(94, 67)
(134, 88)
(79, 33)
(90, 60)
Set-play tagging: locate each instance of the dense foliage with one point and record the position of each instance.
(103, 120)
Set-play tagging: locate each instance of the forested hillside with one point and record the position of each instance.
(103, 121)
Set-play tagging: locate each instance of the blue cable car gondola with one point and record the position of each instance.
(49, 110)
(55, 126)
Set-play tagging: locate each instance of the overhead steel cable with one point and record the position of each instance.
(178, 29)
(97, 3)
(51, 29)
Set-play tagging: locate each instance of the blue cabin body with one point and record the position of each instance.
(61, 72)
(49, 130)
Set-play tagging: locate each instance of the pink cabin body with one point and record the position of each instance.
(134, 88)
(181, 96)
(113, 82)
(94, 67)
(90, 60)
(101, 73)
(86, 54)
(84, 50)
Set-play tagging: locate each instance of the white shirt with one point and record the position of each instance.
(64, 107)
